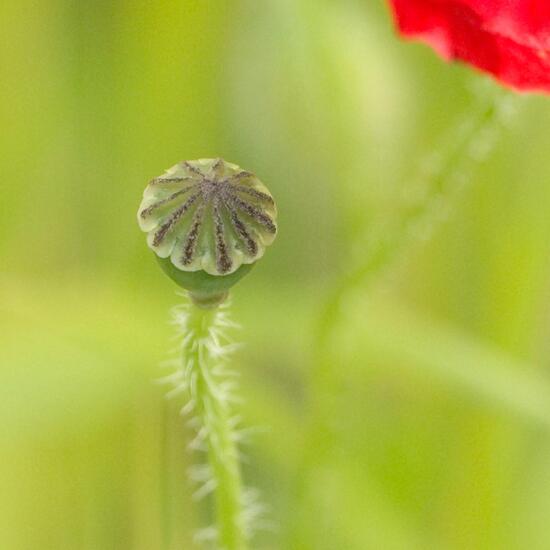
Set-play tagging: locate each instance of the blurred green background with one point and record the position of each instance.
(415, 415)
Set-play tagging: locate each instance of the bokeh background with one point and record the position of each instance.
(413, 412)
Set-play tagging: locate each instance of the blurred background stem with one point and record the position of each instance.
(426, 200)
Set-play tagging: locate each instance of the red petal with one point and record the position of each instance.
(510, 40)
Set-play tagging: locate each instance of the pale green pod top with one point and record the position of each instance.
(207, 217)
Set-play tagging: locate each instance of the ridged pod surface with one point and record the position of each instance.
(208, 216)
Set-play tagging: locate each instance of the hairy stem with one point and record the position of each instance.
(203, 376)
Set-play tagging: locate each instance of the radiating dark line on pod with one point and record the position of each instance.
(253, 212)
(145, 212)
(252, 192)
(241, 176)
(223, 261)
(190, 243)
(193, 169)
(242, 231)
(171, 222)
(216, 166)
(158, 181)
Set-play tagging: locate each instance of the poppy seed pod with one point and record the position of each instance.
(208, 221)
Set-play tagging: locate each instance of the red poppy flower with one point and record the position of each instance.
(507, 38)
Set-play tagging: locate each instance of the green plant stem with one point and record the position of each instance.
(201, 355)
(385, 244)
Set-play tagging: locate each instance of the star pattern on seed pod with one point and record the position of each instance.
(209, 215)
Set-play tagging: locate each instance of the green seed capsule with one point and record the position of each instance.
(207, 221)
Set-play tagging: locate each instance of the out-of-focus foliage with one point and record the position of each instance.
(422, 418)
